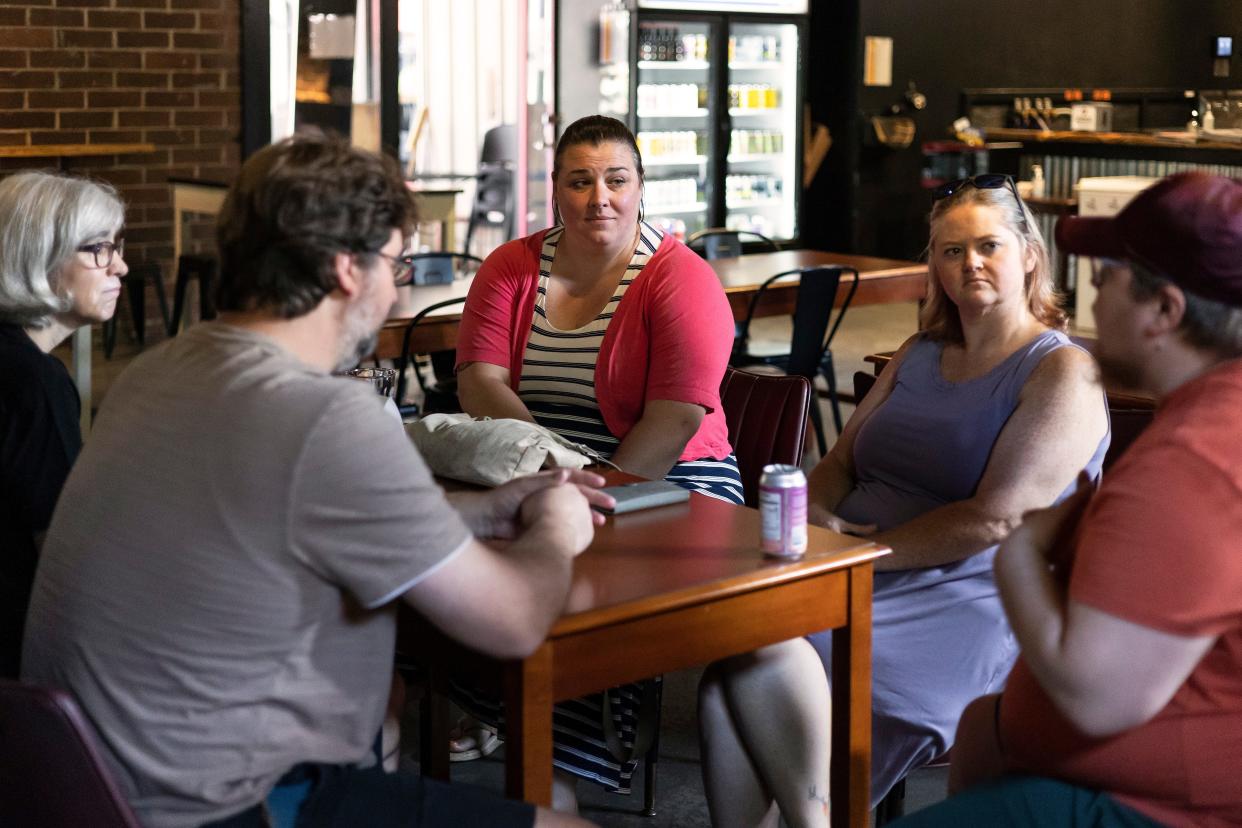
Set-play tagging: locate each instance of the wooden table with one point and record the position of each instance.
(880, 281)
(666, 589)
(436, 333)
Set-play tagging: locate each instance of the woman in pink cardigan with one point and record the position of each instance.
(617, 336)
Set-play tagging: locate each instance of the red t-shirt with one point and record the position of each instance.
(1160, 545)
(669, 339)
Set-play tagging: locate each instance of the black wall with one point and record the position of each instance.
(948, 45)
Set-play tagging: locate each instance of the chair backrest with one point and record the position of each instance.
(812, 333)
(500, 145)
(766, 415)
(51, 773)
(440, 268)
(495, 197)
(405, 360)
(722, 243)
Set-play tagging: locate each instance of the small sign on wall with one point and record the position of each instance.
(878, 61)
(331, 36)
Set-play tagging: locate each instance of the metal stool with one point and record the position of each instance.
(136, 290)
(202, 268)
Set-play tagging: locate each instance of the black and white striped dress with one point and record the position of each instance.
(558, 387)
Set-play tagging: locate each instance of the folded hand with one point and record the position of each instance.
(500, 509)
(817, 515)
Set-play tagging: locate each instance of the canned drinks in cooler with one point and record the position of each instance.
(782, 511)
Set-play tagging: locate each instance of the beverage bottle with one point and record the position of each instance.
(1037, 181)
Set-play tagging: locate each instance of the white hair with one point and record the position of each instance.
(44, 219)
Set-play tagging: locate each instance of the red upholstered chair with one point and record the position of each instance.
(767, 415)
(51, 774)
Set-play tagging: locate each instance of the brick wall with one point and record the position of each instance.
(164, 72)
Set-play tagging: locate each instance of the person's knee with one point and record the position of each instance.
(546, 818)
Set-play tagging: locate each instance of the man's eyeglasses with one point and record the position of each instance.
(984, 181)
(103, 251)
(402, 267)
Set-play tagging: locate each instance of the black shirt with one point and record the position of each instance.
(39, 440)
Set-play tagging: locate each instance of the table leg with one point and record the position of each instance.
(433, 749)
(528, 728)
(850, 784)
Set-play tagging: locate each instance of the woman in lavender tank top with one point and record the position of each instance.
(989, 412)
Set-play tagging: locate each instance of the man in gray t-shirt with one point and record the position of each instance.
(218, 585)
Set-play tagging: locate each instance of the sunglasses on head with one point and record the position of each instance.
(985, 181)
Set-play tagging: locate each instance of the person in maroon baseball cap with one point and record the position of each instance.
(1125, 706)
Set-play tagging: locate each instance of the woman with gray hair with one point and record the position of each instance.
(60, 268)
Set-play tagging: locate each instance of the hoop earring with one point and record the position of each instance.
(642, 208)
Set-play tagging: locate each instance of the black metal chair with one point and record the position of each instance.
(810, 347)
(495, 203)
(438, 395)
(192, 266)
(723, 243)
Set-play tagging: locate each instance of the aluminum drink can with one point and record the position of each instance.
(782, 511)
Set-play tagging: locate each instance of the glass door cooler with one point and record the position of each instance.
(712, 90)
(762, 170)
(673, 122)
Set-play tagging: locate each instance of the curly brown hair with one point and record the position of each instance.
(295, 205)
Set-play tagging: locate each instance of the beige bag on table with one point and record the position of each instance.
(490, 452)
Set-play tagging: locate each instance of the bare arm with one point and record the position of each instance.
(1104, 674)
(1059, 422)
(484, 391)
(525, 584)
(657, 440)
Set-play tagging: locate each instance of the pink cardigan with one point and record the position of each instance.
(674, 321)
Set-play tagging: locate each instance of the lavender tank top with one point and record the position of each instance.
(928, 444)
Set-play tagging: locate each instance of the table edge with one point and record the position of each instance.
(576, 623)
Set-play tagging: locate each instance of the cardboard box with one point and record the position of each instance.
(1093, 116)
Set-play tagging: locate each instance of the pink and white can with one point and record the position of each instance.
(782, 511)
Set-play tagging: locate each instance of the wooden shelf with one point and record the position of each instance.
(1125, 139)
(74, 150)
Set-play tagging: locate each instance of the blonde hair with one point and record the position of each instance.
(939, 317)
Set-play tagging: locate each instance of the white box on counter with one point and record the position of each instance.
(1093, 116)
(1100, 197)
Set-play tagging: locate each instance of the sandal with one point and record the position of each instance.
(472, 740)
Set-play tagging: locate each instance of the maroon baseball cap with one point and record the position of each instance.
(1187, 228)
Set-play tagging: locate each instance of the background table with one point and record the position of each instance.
(880, 281)
(667, 589)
